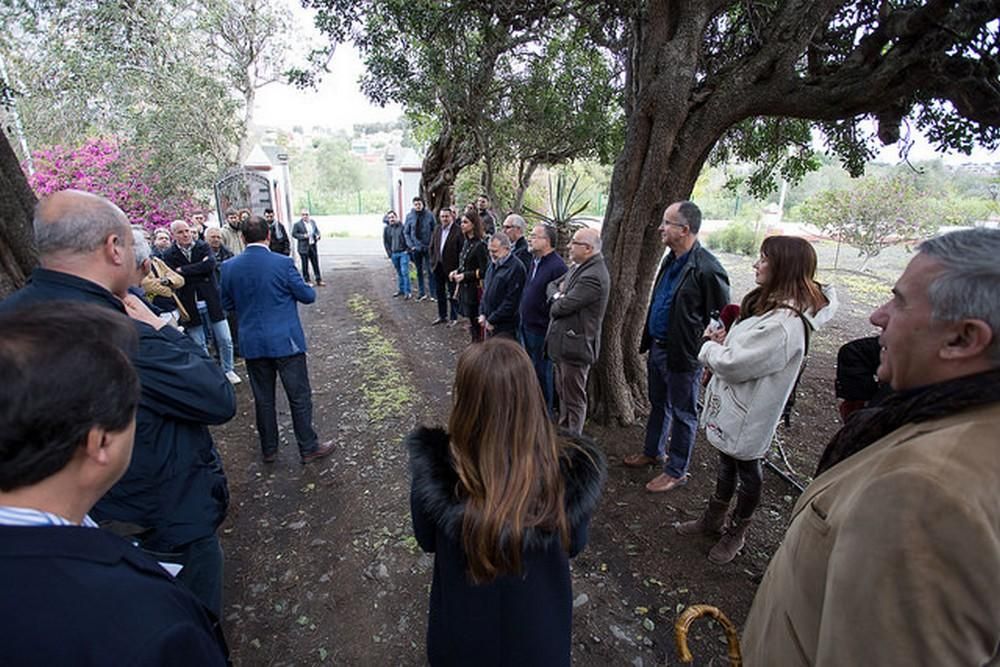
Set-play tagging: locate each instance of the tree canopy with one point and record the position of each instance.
(506, 85)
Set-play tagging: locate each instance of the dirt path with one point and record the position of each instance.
(321, 563)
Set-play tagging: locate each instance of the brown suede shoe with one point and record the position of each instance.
(641, 460)
(664, 482)
(323, 450)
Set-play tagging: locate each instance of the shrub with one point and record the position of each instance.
(737, 237)
(113, 170)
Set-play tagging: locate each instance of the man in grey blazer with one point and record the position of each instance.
(573, 341)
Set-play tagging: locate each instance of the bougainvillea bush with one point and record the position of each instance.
(112, 169)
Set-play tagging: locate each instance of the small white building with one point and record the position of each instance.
(403, 167)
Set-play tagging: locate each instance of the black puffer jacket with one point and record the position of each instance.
(514, 620)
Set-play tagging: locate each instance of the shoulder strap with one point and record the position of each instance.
(807, 327)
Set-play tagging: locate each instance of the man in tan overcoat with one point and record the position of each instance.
(893, 552)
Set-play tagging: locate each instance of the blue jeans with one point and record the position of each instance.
(534, 345)
(401, 260)
(223, 341)
(423, 261)
(294, 374)
(673, 413)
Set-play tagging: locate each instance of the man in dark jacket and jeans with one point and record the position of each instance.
(418, 228)
(174, 493)
(689, 286)
(499, 309)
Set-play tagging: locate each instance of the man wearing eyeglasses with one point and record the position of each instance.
(689, 285)
(513, 227)
(546, 265)
(574, 337)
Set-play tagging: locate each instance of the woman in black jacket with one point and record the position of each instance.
(503, 504)
(468, 278)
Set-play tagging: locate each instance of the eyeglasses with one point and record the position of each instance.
(673, 224)
(508, 226)
(575, 242)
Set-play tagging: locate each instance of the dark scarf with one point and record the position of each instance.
(869, 425)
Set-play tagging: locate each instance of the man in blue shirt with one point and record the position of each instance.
(689, 285)
(73, 593)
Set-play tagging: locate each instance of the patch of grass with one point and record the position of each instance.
(863, 289)
(385, 386)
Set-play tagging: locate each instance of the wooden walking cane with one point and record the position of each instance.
(696, 611)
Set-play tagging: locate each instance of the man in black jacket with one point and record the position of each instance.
(195, 261)
(174, 493)
(279, 241)
(689, 286)
(513, 227)
(499, 309)
(446, 245)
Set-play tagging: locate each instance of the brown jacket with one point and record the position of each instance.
(574, 335)
(892, 556)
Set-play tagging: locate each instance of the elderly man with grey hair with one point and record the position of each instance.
(514, 227)
(499, 308)
(895, 546)
(174, 494)
(573, 341)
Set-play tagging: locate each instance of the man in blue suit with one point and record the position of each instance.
(264, 288)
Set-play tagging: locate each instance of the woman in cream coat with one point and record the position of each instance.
(754, 368)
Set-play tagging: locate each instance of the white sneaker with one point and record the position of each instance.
(233, 377)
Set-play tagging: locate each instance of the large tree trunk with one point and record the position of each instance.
(17, 203)
(445, 158)
(667, 141)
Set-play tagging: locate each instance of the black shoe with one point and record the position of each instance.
(397, 294)
(270, 457)
(408, 297)
(439, 320)
(323, 450)
(423, 297)
(320, 283)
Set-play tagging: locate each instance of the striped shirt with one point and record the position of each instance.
(23, 516)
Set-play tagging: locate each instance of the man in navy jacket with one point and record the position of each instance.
(418, 228)
(264, 289)
(546, 266)
(499, 312)
(73, 593)
(174, 493)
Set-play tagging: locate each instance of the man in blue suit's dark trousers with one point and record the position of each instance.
(264, 289)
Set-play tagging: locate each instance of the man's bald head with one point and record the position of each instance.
(591, 236)
(77, 223)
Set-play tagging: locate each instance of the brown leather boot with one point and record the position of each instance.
(732, 541)
(709, 523)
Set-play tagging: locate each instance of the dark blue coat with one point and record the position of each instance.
(264, 289)
(502, 295)
(514, 620)
(535, 304)
(82, 596)
(418, 229)
(200, 281)
(174, 484)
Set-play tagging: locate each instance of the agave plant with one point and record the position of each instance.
(564, 207)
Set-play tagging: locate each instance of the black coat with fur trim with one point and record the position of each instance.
(514, 620)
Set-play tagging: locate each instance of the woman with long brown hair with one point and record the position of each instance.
(503, 504)
(468, 277)
(754, 368)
